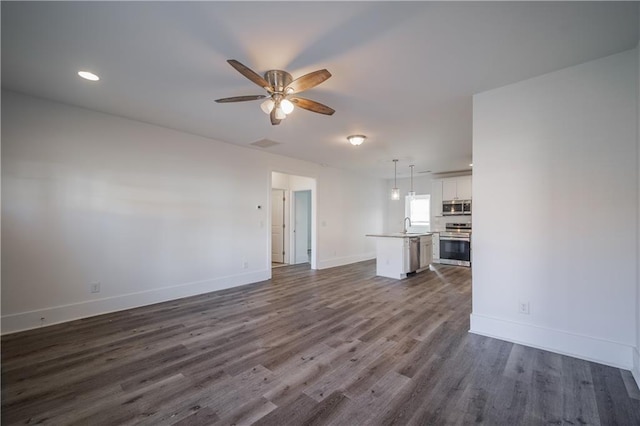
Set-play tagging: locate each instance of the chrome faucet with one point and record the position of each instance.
(405, 224)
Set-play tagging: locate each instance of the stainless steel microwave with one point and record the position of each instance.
(456, 207)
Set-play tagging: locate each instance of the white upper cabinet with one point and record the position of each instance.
(449, 189)
(457, 188)
(464, 187)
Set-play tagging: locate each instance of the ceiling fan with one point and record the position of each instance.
(281, 88)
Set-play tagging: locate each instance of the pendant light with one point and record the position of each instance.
(411, 193)
(395, 192)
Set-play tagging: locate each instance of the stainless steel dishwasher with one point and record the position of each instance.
(414, 254)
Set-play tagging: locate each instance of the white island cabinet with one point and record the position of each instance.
(398, 254)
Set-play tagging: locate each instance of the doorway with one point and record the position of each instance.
(292, 220)
(302, 226)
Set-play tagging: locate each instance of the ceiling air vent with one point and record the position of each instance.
(265, 143)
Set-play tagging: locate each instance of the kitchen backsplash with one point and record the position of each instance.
(440, 222)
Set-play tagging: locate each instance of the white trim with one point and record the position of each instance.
(636, 366)
(314, 214)
(584, 347)
(28, 320)
(346, 260)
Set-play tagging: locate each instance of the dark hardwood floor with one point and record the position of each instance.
(338, 346)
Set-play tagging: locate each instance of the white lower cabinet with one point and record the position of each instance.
(425, 251)
(435, 251)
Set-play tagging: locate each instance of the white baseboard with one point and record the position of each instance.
(636, 366)
(57, 314)
(346, 260)
(579, 346)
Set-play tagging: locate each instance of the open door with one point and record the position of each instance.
(277, 225)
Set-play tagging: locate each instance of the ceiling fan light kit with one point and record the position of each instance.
(267, 106)
(281, 88)
(280, 114)
(287, 106)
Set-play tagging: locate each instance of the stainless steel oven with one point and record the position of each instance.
(455, 244)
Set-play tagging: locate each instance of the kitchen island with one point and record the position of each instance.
(399, 253)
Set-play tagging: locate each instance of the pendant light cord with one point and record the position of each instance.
(395, 173)
(411, 166)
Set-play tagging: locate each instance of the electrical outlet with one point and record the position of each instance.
(523, 308)
(94, 287)
(245, 264)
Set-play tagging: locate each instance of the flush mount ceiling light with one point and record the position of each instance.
(356, 140)
(281, 87)
(395, 192)
(411, 193)
(88, 75)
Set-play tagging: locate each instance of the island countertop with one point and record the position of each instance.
(400, 234)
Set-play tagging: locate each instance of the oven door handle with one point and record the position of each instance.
(455, 239)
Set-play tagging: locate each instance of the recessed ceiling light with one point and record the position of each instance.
(470, 164)
(88, 75)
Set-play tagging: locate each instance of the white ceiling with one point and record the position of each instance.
(403, 73)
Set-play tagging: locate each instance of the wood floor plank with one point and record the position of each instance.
(614, 404)
(347, 372)
(245, 414)
(366, 408)
(520, 364)
(630, 384)
(579, 398)
(485, 379)
(337, 346)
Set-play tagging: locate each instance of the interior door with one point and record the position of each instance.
(277, 225)
(302, 226)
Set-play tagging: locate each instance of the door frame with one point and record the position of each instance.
(313, 183)
(284, 230)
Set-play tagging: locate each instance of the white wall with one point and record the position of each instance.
(353, 205)
(555, 193)
(151, 213)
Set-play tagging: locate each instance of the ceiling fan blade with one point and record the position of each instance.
(307, 81)
(241, 98)
(250, 74)
(314, 106)
(274, 120)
